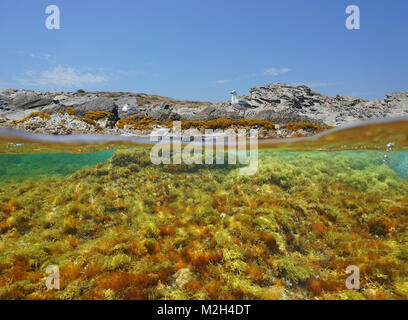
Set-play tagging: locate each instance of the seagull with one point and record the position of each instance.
(125, 108)
(234, 98)
(236, 102)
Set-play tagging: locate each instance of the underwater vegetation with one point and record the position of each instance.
(123, 228)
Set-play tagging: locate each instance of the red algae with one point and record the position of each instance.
(289, 231)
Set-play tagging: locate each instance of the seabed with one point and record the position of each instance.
(119, 227)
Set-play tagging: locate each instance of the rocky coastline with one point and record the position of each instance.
(277, 110)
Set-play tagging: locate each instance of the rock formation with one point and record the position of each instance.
(275, 102)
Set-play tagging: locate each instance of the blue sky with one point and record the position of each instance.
(202, 49)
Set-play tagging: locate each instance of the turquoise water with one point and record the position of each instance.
(21, 166)
(398, 161)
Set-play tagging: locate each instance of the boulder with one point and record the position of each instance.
(82, 105)
(5, 107)
(59, 98)
(30, 99)
(128, 107)
(161, 111)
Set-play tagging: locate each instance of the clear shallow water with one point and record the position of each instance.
(398, 161)
(24, 166)
(18, 167)
(119, 227)
(23, 154)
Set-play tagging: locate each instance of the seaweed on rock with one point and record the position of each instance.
(127, 229)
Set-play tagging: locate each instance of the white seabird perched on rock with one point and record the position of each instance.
(234, 98)
(125, 108)
(236, 102)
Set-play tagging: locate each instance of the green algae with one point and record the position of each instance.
(122, 228)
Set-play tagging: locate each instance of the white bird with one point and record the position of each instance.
(125, 108)
(234, 98)
(236, 102)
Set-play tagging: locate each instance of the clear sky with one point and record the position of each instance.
(202, 49)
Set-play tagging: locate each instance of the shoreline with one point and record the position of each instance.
(66, 122)
(277, 103)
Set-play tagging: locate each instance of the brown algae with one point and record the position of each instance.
(124, 228)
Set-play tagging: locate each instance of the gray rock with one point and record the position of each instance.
(59, 98)
(128, 107)
(91, 103)
(51, 107)
(29, 100)
(162, 111)
(276, 102)
(20, 114)
(5, 107)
